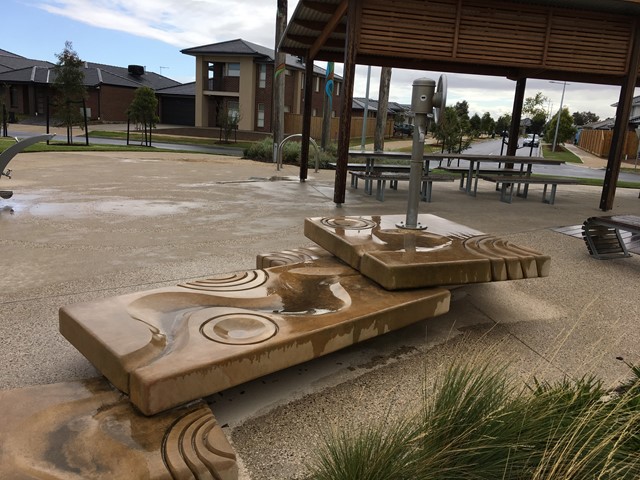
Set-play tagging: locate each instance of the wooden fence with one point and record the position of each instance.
(293, 125)
(598, 142)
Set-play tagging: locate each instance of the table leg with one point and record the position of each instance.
(475, 180)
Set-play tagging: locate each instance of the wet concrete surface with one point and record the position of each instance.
(84, 226)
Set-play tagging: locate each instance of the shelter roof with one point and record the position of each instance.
(579, 40)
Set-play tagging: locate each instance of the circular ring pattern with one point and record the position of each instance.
(229, 282)
(348, 223)
(239, 328)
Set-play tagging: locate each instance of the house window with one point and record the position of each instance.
(314, 112)
(333, 114)
(337, 88)
(287, 72)
(13, 97)
(287, 109)
(262, 76)
(233, 70)
(302, 81)
(260, 115)
(317, 84)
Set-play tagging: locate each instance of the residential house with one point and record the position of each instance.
(236, 78)
(393, 109)
(28, 87)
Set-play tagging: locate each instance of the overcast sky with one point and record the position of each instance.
(152, 33)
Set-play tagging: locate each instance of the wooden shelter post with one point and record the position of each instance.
(348, 78)
(620, 129)
(306, 120)
(516, 116)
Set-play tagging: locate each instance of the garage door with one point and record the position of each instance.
(178, 111)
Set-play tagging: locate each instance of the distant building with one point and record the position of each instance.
(393, 109)
(236, 77)
(26, 85)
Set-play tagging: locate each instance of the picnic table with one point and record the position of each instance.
(392, 173)
(505, 178)
(473, 171)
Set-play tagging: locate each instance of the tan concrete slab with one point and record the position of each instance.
(172, 345)
(89, 430)
(446, 253)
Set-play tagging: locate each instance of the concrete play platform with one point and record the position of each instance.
(168, 346)
(89, 430)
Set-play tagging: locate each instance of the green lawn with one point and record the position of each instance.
(81, 147)
(561, 154)
(173, 139)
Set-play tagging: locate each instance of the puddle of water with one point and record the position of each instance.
(123, 207)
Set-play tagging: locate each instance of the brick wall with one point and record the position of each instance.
(114, 102)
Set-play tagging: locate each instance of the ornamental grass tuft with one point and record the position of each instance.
(475, 424)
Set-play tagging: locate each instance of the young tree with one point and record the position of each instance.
(534, 106)
(228, 121)
(487, 124)
(70, 89)
(143, 111)
(475, 125)
(503, 124)
(449, 131)
(462, 111)
(582, 118)
(566, 130)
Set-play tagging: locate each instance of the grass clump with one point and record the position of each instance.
(476, 424)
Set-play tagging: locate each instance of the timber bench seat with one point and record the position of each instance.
(464, 172)
(603, 238)
(382, 178)
(508, 182)
(362, 167)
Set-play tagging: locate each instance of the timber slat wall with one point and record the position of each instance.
(293, 125)
(598, 142)
(491, 32)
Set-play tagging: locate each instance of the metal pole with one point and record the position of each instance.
(555, 137)
(422, 106)
(366, 111)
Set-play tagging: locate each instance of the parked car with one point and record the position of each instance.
(529, 141)
(402, 129)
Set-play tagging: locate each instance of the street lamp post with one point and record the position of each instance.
(555, 137)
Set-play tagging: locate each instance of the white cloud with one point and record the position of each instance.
(183, 23)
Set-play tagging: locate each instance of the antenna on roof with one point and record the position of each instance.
(161, 69)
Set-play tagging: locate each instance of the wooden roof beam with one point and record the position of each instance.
(318, 6)
(331, 25)
(319, 26)
(307, 40)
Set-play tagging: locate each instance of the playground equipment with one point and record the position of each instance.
(12, 151)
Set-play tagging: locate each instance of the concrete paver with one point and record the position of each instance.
(84, 226)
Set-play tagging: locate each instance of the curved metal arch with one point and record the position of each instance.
(279, 149)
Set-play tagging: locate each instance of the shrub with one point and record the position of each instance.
(263, 151)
